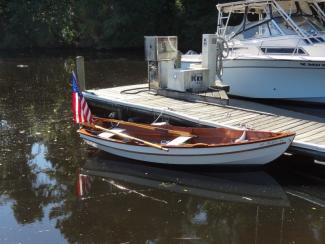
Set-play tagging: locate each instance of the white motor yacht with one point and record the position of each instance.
(277, 49)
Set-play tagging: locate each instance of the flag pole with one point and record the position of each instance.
(80, 63)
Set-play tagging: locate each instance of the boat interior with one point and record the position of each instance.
(176, 136)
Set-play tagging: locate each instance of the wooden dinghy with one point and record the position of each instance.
(185, 145)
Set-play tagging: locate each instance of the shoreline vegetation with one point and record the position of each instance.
(102, 24)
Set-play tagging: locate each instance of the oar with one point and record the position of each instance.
(149, 127)
(131, 138)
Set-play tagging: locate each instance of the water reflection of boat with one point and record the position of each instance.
(256, 187)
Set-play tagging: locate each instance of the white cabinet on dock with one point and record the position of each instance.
(192, 80)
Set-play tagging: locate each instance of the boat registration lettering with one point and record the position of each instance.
(305, 64)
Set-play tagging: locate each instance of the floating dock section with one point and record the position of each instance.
(310, 138)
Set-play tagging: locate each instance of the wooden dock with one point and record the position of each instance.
(310, 139)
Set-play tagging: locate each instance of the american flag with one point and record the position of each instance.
(81, 111)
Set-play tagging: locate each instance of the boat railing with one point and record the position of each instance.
(231, 44)
(297, 48)
(260, 49)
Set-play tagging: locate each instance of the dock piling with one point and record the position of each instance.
(80, 63)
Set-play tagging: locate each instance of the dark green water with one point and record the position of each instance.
(55, 189)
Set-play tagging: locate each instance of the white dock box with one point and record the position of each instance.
(189, 80)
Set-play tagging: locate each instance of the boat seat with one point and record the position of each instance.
(242, 138)
(159, 123)
(178, 140)
(107, 135)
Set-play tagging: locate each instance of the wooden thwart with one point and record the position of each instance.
(131, 138)
(150, 127)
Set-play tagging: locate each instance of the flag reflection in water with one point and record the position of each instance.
(83, 184)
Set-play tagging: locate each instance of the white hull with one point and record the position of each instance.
(258, 153)
(296, 80)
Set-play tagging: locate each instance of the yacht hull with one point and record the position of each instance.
(296, 80)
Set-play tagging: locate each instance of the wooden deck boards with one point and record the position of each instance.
(310, 134)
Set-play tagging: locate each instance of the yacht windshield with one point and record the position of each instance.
(309, 24)
(284, 26)
(255, 31)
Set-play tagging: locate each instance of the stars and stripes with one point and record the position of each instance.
(81, 111)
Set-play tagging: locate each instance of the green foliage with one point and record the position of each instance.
(197, 17)
(46, 23)
(102, 23)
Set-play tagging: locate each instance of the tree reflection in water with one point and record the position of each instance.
(39, 149)
(41, 153)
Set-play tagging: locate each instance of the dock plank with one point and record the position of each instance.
(232, 121)
(288, 126)
(229, 116)
(309, 128)
(319, 136)
(311, 133)
(278, 124)
(273, 121)
(249, 123)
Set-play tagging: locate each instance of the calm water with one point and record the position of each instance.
(55, 189)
